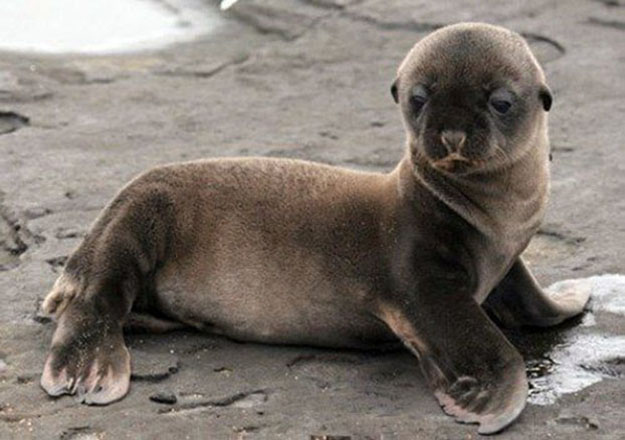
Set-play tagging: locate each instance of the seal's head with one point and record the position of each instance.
(473, 98)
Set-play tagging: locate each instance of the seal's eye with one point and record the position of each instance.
(418, 97)
(501, 101)
(501, 106)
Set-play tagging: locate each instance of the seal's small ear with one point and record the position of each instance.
(394, 90)
(545, 96)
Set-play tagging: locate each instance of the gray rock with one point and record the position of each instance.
(306, 79)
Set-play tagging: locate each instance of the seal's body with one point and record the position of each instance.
(293, 261)
(286, 251)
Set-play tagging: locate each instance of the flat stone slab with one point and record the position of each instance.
(308, 80)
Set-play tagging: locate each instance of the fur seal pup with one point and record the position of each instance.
(288, 251)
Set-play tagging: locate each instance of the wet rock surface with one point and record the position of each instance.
(305, 79)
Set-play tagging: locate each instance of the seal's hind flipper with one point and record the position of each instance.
(101, 281)
(518, 300)
(475, 373)
(88, 357)
(138, 322)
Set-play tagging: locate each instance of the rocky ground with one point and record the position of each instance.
(307, 79)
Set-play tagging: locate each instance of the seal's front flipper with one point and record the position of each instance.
(88, 356)
(518, 299)
(475, 373)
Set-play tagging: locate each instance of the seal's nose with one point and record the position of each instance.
(453, 140)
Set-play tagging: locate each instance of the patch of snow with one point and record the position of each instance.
(225, 4)
(101, 26)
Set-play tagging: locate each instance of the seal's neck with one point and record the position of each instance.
(508, 202)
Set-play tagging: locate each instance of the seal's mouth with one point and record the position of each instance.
(456, 162)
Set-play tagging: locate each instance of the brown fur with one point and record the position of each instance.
(287, 251)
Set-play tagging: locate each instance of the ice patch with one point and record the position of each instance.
(101, 26)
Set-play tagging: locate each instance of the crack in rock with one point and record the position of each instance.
(581, 421)
(531, 36)
(301, 359)
(75, 77)
(81, 433)
(14, 239)
(57, 263)
(164, 397)
(65, 233)
(12, 121)
(36, 212)
(21, 96)
(551, 243)
(155, 377)
(415, 26)
(407, 25)
(153, 367)
(544, 48)
(287, 25)
(332, 4)
(614, 367)
(613, 24)
(562, 148)
(547, 231)
(203, 71)
(246, 399)
(330, 437)
(248, 429)
(19, 88)
(611, 3)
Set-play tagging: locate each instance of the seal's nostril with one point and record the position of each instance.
(453, 140)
